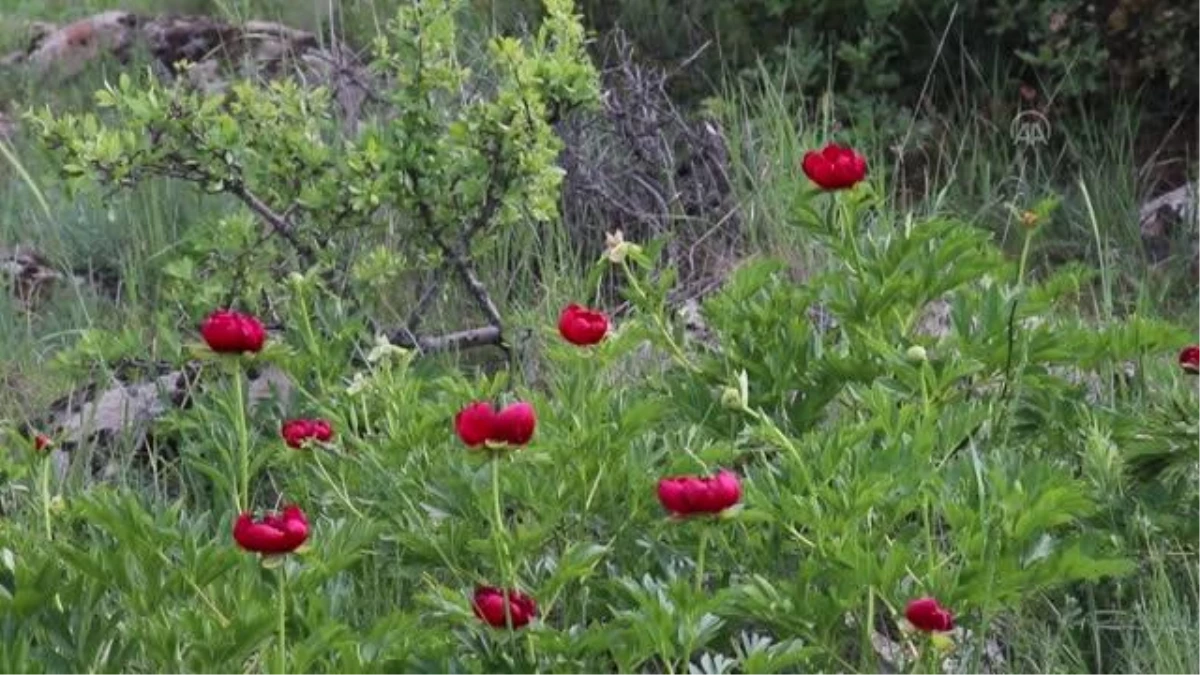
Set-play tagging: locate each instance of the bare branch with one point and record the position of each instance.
(458, 256)
(465, 339)
(276, 221)
(466, 272)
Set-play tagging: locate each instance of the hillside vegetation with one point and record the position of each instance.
(454, 336)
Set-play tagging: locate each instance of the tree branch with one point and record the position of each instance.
(466, 272)
(487, 211)
(277, 222)
(464, 339)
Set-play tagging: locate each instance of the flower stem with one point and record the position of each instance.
(1024, 258)
(341, 491)
(781, 439)
(498, 538)
(242, 498)
(700, 558)
(844, 235)
(672, 346)
(283, 618)
(44, 488)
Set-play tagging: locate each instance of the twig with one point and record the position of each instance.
(464, 339)
(276, 221)
(466, 272)
(457, 256)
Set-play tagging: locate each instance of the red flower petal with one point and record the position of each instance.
(672, 495)
(685, 495)
(488, 604)
(322, 430)
(273, 533)
(476, 423)
(516, 423)
(727, 488)
(582, 326)
(928, 615)
(1189, 359)
(227, 331)
(834, 167)
(296, 431)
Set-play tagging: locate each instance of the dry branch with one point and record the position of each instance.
(457, 341)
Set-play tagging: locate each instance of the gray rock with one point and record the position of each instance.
(1167, 219)
(100, 415)
(218, 50)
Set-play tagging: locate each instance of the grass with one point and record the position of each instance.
(975, 174)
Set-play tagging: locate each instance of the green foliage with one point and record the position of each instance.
(888, 47)
(976, 471)
(999, 459)
(463, 152)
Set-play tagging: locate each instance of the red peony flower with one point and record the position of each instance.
(582, 326)
(515, 423)
(1189, 359)
(295, 432)
(687, 495)
(273, 533)
(41, 442)
(475, 424)
(480, 423)
(927, 615)
(488, 604)
(835, 167)
(227, 331)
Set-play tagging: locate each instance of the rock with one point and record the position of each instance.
(934, 321)
(218, 50)
(100, 415)
(900, 656)
(8, 126)
(29, 277)
(70, 48)
(1164, 221)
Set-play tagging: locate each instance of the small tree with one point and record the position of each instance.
(450, 156)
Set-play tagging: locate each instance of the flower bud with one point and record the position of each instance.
(383, 349)
(916, 354)
(731, 398)
(942, 642)
(616, 249)
(737, 398)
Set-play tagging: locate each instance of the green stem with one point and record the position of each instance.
(498, 539)
(44, 485)
(782, 440)
(700, 559)
(870, 626)
(672, 346)
(925, 391)
(199, 591)
(844, 235)
(306, 325)
(1024, 258)
(341, 492)
(310, 336)
(242, 498)
(283, 618)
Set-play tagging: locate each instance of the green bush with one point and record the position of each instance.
(1076, 48)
